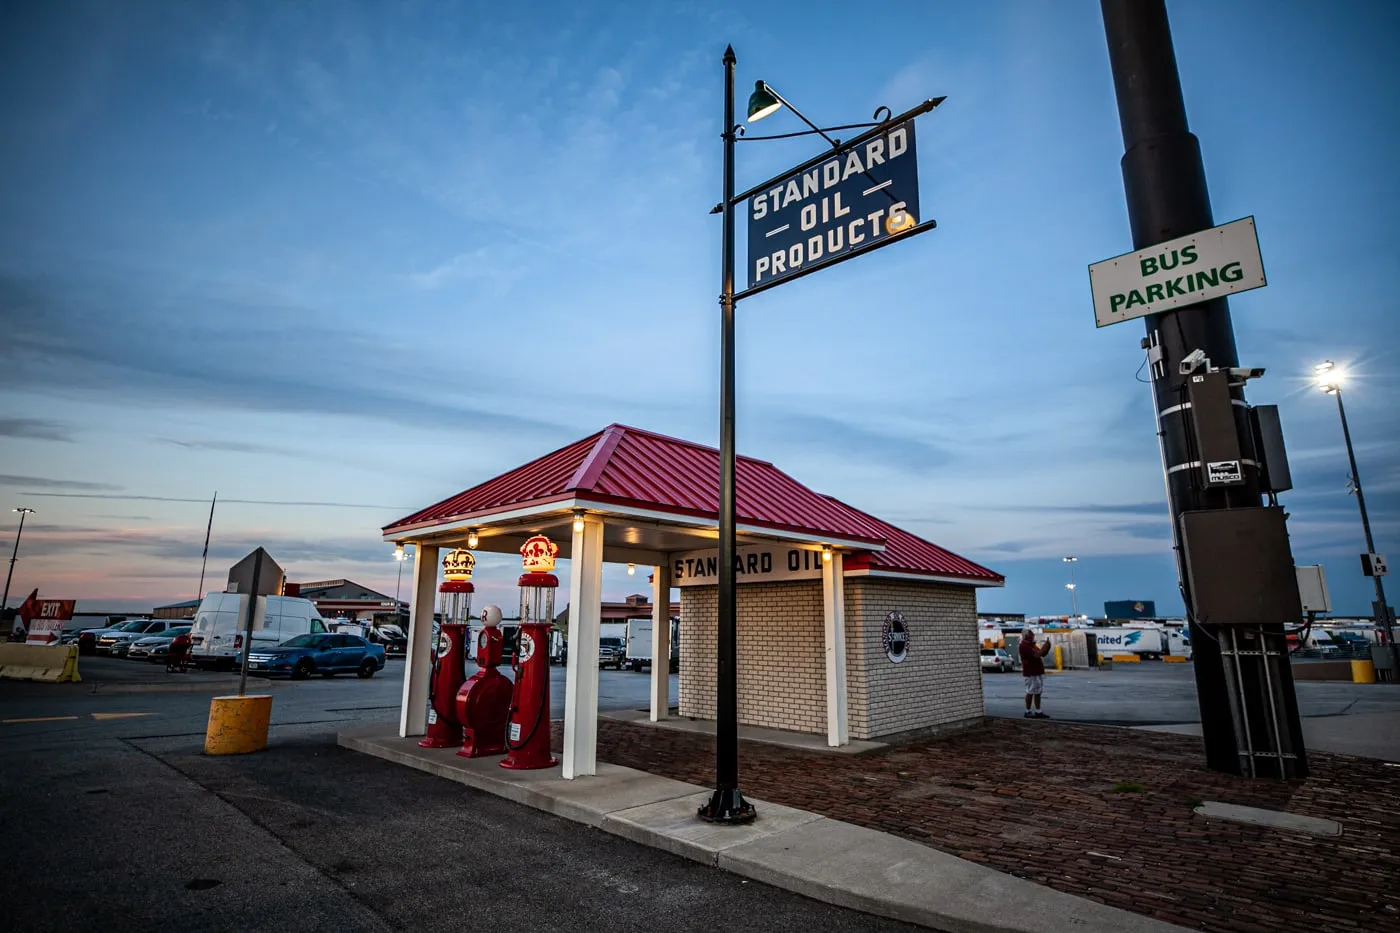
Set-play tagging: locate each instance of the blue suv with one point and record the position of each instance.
(325, 654)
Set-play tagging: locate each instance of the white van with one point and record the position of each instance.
(216, 638)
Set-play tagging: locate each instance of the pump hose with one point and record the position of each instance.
(539, 717)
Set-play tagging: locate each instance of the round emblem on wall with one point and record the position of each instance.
(527, 647)
(895, 637)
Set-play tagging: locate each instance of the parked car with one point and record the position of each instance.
(155, 647)
(325, 654)
(117, 642)
(87, 638)
(997, 659)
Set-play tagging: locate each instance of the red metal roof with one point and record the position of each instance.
(907, 553)
(630, 467)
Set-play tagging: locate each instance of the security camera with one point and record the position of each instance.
(1193, 361)
(1246, 373)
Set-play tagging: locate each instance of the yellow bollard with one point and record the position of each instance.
(237, 725)
(1363, 671)
(1059, 659)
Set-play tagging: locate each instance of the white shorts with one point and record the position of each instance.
(1034, 684)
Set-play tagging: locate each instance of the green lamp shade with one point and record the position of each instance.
(762, 102)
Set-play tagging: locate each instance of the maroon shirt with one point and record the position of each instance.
(1031, 663)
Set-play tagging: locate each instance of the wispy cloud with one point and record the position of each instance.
(47, 482)
(40, 429)
(239, 447)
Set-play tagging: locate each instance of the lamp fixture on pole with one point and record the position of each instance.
(14, 556)
(727, 805)
(1329, 380)
(400, 555)
(1073, 598)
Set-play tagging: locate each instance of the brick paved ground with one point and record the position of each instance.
(1037, 800)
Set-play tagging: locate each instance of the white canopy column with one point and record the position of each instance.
(660, 641)
(413, 715)
(834, 616)
(581, 683)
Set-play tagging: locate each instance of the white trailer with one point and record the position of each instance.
(639, 644)
(1145, 642)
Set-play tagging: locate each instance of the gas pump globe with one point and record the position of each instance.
(455, 592)
(527, 737)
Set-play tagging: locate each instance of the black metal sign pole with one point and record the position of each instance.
(248, 624)
(1164, 181)
(727, 805)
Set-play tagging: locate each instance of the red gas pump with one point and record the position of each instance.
(449, 657)
(528, 735)
(483, 703)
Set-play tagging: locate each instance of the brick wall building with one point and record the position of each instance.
(781, 670)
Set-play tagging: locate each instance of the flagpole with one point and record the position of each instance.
(204, 562)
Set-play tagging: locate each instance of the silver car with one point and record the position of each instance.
(154, 647)
(116, 642)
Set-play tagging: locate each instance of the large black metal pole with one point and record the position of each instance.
(1165, 186)
(727, 805)
(1381, 608)
(14, 555)
(248, 621)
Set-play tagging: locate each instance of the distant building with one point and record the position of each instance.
(184, 610)
(1123, 609)
(635, 606)
(346, 599)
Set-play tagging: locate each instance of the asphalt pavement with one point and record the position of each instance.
(115, 819)
(1155, 694)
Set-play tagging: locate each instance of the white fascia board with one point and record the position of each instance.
(919, 577)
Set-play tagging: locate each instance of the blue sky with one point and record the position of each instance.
(372, 254)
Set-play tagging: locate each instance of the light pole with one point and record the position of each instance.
(5, 602)
(727, 805)
(1073, 599)
(1329, 380)
(400, 555)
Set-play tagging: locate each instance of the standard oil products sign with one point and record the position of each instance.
(1184, 271)
(855, 198)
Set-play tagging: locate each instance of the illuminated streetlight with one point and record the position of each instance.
(1073, 599)
(4, 603)
(400, 555)
(1329, 380)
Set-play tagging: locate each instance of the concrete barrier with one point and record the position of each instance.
(237, 725)
(1126, 658)
(1175, 658)
(54, 664)
(1322, 670)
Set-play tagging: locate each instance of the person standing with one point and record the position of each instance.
(1033, 670)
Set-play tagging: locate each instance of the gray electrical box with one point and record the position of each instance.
(1240, 567)
(1274, 475)
(1213, 420)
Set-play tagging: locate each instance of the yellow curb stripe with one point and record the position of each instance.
(101, 716)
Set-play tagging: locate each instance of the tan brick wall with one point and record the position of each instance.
(939, 683)
(782, 669)
(782, 657)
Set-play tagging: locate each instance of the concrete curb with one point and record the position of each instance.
(824, 859)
